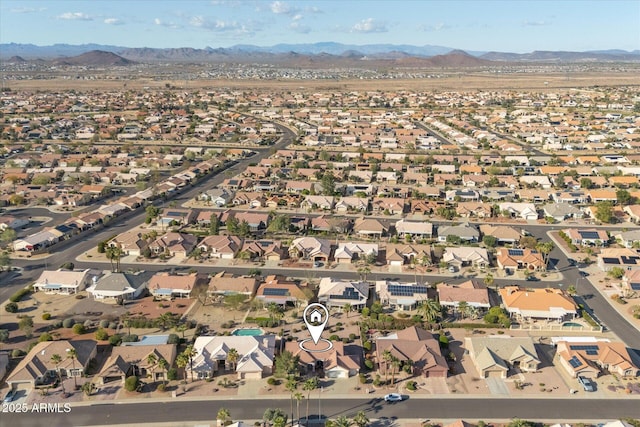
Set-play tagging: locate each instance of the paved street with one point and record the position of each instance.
(465, 408)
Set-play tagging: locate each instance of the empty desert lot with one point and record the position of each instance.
(452, 80)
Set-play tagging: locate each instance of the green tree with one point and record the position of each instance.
(181, 362)
(616, 273)
(232, 225)
(26, 325)
(328, 183)
(528, 242)
(152, 362)
(223, 415)
(164, 367)
(387, 358)
(342, 421)
(131, 383)
(232, 357)
(604, 212)
(271, 415)
(88, 388)
(56, 359)
(291, 386)
(214, 225)
(4, 335)
(190, 353)
(586, 183)
(244, 229)
(490, 241)
(545, 249)
(430, 310)
(361, 419)
(8, 235)
(73, 355)
(5, 261)
(286, 364)
(114, 253)
(346, 309)
(309, 385)
(488, 280)
(624, 197)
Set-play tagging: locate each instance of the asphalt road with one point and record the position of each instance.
(484, 409)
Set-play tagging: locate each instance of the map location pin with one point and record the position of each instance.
(313, 317)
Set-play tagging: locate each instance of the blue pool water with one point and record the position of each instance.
(248, 332)
(571, 324)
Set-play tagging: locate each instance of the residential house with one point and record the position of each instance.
(337, 293)
(174, 244)
(591, 358)
(473, 210)
(401, 296)
(255, 355)
(63, 282)
(466, 256)
(117, 287)
(130, 243)
(310, 248)
(257, 221)
(10, 221)
(416, 346)
(370, 228)
(522, 210)
(473, 292)
(281, 291)
(588, 237)
(220, 247)
(462, 232)
(231, 284)
(511, 260)
(137, 360)
(400, 254)
(352, 204)
(633, 211)
(629, 239)
(388, 205)
(414, 229)
(462, 195)
(37, 368)
(165, 285)
(625, 258)
(531, 304)
(311, 203)
(495, 356)
(504, 234)
(631, 282)
(351, 251)
(219, 197)
(340, 361)
(561, 211)
(267, 250)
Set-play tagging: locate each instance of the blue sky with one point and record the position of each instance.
(514, 26)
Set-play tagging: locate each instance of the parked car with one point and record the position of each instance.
(393, 397)
(452, 269)
(531, 278)
(10, 396)
(586, 383)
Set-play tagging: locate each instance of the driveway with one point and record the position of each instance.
(497, 387)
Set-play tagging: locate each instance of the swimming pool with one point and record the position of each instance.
(248, 332)
(572, 324)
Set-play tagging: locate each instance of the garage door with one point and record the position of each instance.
(493, 374)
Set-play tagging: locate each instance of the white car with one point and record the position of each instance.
(393, 397)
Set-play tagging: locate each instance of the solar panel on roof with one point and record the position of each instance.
(348, 293)
(629, 259)
(635, 286)
(592, 235)
(575, 362)
(275, 292)
(516, 252)
(611, 260)
(590, 349)
(406, 291)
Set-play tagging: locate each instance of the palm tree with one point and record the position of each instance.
(346, 309)
(164, 366)
(232, 357)
(223, 415)
(488, 280)
(545, 249)
(181, 362)
(56, 359)
(73, 355)
(275, 311)
(190, 353)
(152, 361)
(308, 386)
(463, 308)
(431, 310)
(361, 419)
(114, 253)
(342, 421)
(298, 397)
(291, 386)
(388, 358)
(395, 366)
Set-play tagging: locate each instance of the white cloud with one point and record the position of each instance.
(296, 17)
(27, 9)
(299, 27)
(171, 25)
(113, 21)
(214, 24)
(535, 23)
(75, 16)
(282, 8)
(440, 26)
(369, 25)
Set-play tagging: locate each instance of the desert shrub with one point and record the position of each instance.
(80, 296)
(67, 266)
(4, 335)
(113, 325)
(130, 338)
(362, 378)
(334, 337)
(45, 336)
(16, 352)
(68, 323)
(365, 312)
(46, 316)
(377, 381)
(31, 345)
(88, 324)
(104, 323)
(369, 364)
(352, 337)
(444, 341)
(115, 340)
(173, 339)
(102, 334)
(18, 295)
(367, 345)
(161, 387)
(131, 383)
(79, 329)
(11, 307)
(272, 381)
(57, 324)
(172, 374)
(411, 385)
